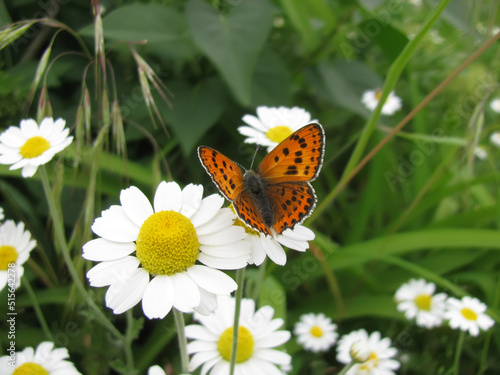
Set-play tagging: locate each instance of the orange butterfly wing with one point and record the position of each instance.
(225, 173)
(292, 203)
(297, 158)
(248, 213)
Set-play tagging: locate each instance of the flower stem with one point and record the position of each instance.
(38, 310)
(61, 242)
(260, 280)
(346, 368)
(458, 352)
(240, 280)
(181, 335)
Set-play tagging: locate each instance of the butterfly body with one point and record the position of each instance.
(278, 195)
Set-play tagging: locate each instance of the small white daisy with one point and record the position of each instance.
(495, 105)
(156, 370)
(418, 301)
(495, 139)
(44, 360)
(15, 247)
(272, 125)
(371, 98)
(257, 336)
(29, 145)
(481, 153)
(468, 314)
(261, 245)
(165, 241)
(371, 354)
(316, 332)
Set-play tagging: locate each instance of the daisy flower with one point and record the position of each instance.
(149, 252)
(272, 125)
(44, 360)
(495, 139)
(30, 145)
(262, 245)
(481, 153)
(371, 354)
(156, 370)
(418, 301)
(257, 336)
(495, 105)
(15, 247)
(316, 332)
(468, 314)
(371, 98)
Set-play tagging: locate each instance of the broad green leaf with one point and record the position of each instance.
(308, 18)
(232, 41)
(344, 83)
(194, 109)
(272, 85)
(164, 29)
(273, 294)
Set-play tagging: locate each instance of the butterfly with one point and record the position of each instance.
(278, 195)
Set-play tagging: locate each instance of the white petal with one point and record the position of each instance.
(168, 197)
(209, 207)
(199, 332)
(107, 273)
(224, 237)
(101, 249)
(28, 170)
(187, 294)
(114, 225)
(29, 127)
(122, 297)
(158, 297)
(212, 280)
(274, 250)
(254, 122)
(191, 199)
(136, 205)
(208, 303)
(224, 219)
(223, 263)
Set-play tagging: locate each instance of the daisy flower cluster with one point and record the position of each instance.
(45, 359)
(30, 145)
(417, 300)
(149, 253)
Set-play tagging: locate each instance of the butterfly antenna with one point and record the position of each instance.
(254, 154)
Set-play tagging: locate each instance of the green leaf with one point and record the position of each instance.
(233, 41)
(390, 40)
(163, 28)
(195, 109)
(272, 85)
(273, 294)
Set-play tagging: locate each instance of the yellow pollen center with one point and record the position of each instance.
(316, 331)
(278, 133)
(245, 344)
(424, 302)
(469, 314)
(33, 147)
(372, 362)
(30, 368)
(8, 254)
(167, 243)
(378, 94)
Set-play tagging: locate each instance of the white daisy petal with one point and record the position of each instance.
(187, 294)
(191, 199)
(273, 250)
(114, 225)
(101, 249)
(135, 205)
(153, 306)
(168, 197)
(214, 281)
(207, 210)
(122, 296)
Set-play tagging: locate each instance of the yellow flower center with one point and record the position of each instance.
(167, 243)
(316, 331)
(278, 133)
(33, 147)
(424, 302)
(30, 368)
(245, 344)
(378, 94)
(372, 362)
(468, 314)
(8, 254)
